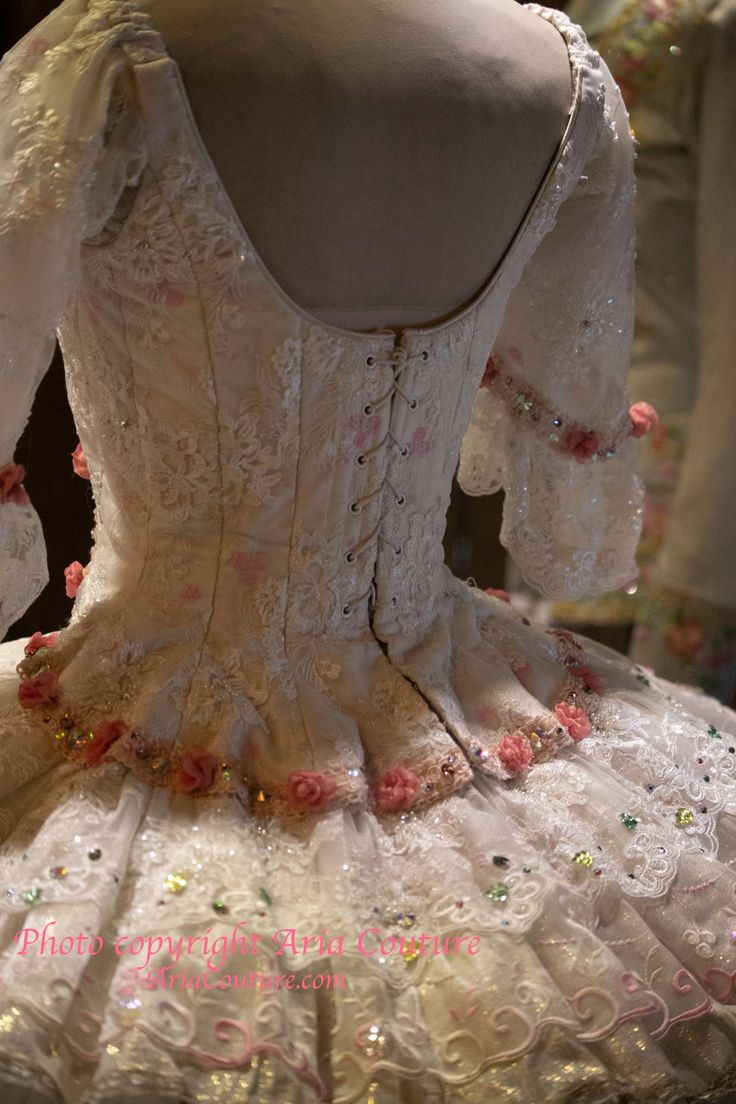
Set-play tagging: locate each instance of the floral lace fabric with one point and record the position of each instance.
(275, 710)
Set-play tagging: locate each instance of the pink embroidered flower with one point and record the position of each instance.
(73, 574)
(574, 719)
(643, 418)
(523, 672)
(396, 789)
(190, 593)
(488, 715)
(591, 680)
(249, 566)
(38, 640)
(419, 445)
(42, 689)
(496, 592)
(515, 751)
(492, 369)
(39, 46)
(165, 293)
(365, 426)
(198, 770)
(309, 791)
(685, 638)
(11, 485)
(103, 737)
(79, 462)
(92, 305)
(581, 444)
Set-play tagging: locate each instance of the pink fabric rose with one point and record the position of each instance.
(396, 789)
(79, 462)
(42, 689)
(574, 719)
(581, 444)
(591, 680)
(103, 737)
(515, 751)
(496, 592)
(309, 791)
(198, 770)
(38, 640)
(643, 418)
(11, 485)
(73, 574)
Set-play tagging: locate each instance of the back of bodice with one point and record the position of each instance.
(267, 594)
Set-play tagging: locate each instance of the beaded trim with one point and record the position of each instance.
(198, 773)
(562, 433)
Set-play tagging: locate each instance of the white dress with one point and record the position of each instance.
(290, 813)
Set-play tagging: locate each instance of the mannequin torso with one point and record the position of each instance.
(381, 155)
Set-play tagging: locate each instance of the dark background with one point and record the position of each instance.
(64, 501)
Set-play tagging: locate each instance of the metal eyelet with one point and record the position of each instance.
(349, 557)
(413, 404)
(404, 450)
(425, 355)
(401, 500)
(361, 460)
(368, 409)
(347, 611)
(354, 507)
(370, 361)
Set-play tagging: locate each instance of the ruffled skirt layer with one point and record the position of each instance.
(569, 935)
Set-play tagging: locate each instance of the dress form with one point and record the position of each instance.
(381, 156)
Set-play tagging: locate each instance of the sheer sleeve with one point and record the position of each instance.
(551, 423)
(70, 144)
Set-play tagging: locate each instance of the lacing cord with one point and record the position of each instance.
(362, 458)
(398, 358)
(352, 555)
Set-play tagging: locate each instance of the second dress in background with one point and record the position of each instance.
(674, 62)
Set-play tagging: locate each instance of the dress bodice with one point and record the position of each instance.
(267, 594)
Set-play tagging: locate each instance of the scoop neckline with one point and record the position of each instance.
(571, 36)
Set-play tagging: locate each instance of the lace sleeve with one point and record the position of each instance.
(69, 146)
(551, 424)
